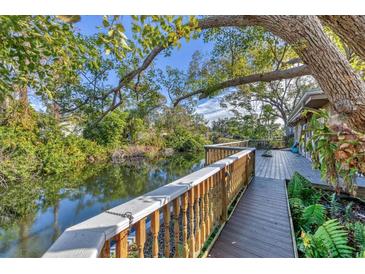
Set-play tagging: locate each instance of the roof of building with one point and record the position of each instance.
(311, 99)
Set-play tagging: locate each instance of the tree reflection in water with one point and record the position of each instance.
(34, 214)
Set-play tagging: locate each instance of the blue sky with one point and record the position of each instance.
(179, 58)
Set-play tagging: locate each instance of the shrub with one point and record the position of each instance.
(183, 140)
(109, 131)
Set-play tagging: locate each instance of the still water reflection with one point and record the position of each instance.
(61, 202)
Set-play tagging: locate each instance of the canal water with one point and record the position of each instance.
(55, 204)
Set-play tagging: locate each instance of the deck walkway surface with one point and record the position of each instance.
(260, 225)
(284, 163)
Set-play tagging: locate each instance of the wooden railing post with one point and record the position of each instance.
(141, 236)
(106, 250)
(224, 181)
(254, 163)
(122, 244)
(155, 228)
(184, 208)
(191, 223)
(197, 218)
(166, 218)
(206, 204)
(203, 231)
(176, 204)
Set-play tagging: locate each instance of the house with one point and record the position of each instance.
(297, 122)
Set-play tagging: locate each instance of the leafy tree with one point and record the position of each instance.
(108, 132)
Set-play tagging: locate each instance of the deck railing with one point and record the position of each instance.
(267, 143)
(175, 220)
(217, 152)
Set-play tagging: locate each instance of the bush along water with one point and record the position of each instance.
(326, 224)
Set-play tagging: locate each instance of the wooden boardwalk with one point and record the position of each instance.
(260, 225)
(284, 163)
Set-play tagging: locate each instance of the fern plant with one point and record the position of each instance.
(335, 207)
(359, 236)
(334, 238)
(300, 187)
(296, 210)
(348, 211)
(313, 215)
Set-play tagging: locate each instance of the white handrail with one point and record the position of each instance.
(86, 239)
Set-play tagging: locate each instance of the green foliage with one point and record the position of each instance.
(359, 236)
(319, 236)
(333, 238)
(249, 126)
(334, 206)
(183, 140)
(301, 188)
(296, 210)
(39, 52)
(337, 151)
(108, 132)
(314, 215)
(329, 241)
(44, 149)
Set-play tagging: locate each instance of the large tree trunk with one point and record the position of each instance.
(351, 29)
(344, 88)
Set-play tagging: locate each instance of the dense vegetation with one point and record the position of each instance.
(326, 225)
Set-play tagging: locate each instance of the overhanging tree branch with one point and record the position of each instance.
(260, 77)
(351, 30)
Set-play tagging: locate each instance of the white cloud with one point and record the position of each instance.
(212, 110)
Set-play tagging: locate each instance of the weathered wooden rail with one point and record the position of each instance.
(175, 220)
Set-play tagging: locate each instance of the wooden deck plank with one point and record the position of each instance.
(284, 163)
(260, 226)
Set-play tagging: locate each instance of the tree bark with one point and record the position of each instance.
(343, 86)
(351, 30)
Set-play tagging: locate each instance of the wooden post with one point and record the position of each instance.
(206, 150)
(207, 204)
(141, 236)
(176, 205)
(211, 203)
(197, 218)
(224, 195)
(184, 208)
(254, 163)
(191, 222)
(155, 228)
(106, 250)
(247, 169)
(203, 231)
(166, 218)
(122, 244)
